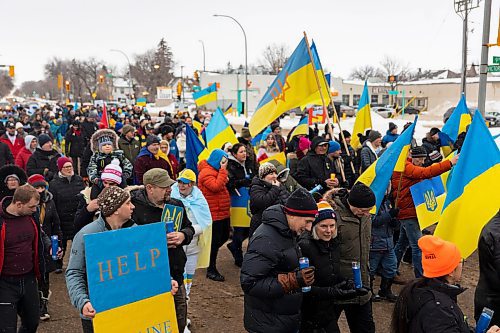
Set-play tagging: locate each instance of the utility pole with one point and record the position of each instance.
(483, 68)
(182, 84)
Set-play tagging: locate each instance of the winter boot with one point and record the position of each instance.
(385, 291)
(44, 302)
(375, 297)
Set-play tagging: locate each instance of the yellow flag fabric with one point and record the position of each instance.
(204, 243)
(218, 131)
(363, 119)
(280, 157)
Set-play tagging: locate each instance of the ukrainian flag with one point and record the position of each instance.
(302, 128)
(378, 175)
(206, 95)
(363, 118)
(458, 121)
(280, 157)
(428, 197)
(240, 209)
(294, 84)
(261, 137)
(195, 150)
(218, 131)
(229, 110)
(325, 86)
(472, 198)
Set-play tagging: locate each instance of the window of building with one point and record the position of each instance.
(420, 102)
(122, 90)
(385, 99)
(345, 99)
(374, 99)
(355, 99)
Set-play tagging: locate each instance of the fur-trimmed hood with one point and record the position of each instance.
(94, 141)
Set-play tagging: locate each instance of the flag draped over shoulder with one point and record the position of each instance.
(428, 198)
(363, 119)
(292, 86)
(206, 95)
(458, 121)
(218, 131)
(302, 128)
(378, 175)
(472, 198)
(195, 150)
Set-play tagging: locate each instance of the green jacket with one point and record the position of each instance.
(130, 148)
(354, 235)
(290, 184)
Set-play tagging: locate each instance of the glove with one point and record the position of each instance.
(394, 212)
(288, 282)
(305, 276)
(362, 291)
(342, 290)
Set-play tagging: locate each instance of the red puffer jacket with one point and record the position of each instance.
(412, 175)
(212, 184)
(23, 157)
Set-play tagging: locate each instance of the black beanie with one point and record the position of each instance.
(301, 203)
(346, 134)
(361, 196)
(418, 151)
(392, 126)
(152, 139)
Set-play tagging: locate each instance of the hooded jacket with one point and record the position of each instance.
(5, 155)
(146, 161)
(314, 169)
(251, 157)
(389, 137)
(24, 154)
(212, 181)
(16, 147)
(41, 160)
(271, 250)
(74, 142)
(240, 174)
(285, 177)
(10, 170)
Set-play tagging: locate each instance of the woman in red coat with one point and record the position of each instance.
(24, 154)
(212, 181)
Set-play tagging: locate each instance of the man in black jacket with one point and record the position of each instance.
(488, 286)
(5, 155)
(316, 168)
(149, 202)
(270, 275)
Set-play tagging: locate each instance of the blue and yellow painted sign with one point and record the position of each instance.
(240, 208)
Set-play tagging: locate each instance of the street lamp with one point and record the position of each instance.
(246, 60)
(131, 92)
(203, 47)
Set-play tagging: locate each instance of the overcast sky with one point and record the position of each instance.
(422, 33)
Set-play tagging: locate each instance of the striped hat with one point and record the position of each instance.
(325, 212)
(301, 203)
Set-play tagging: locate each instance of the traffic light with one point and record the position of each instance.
(11, 71)
(179, 90)
(59, 81)
(196, 76)
(101, 79)
(67, 86)
(392, 78)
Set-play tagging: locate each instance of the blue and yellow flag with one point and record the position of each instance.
(458, 121)
(229, 110)
(195, 150)
(378, 175)
(428, 197)
(280, 157)
(363, 119)
(294, 84)
(325, 87)
(240, 208)
(302, 128)
(257, 140)
(206, 95)
(472, 198)
(218, 131)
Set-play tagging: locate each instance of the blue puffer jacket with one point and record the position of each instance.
(383, 226)
(389, 137)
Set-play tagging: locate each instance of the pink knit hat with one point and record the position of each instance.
(112, 172)
(304, 143)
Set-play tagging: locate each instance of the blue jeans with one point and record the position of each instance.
(386, 260)
(409, 234)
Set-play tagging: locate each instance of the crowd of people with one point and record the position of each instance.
(64, 173)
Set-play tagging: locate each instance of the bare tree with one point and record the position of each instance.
(6, 84)
(275, 57)
(365, 72)
(393, 66)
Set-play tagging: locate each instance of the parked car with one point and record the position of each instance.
(448, 113)
(493, 117)
(349, 111)
(411, 110)
(384, 112)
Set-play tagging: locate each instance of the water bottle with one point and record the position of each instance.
(356, 271)
(317, 188)
(304, 263)
(484, 320)
(170, 226)
(54, 240)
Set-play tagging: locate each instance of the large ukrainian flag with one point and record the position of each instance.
(363, 118)
(428, 197)
(218, 131)
(472, 198)
(294, 84)
(195, 150)
(378, 175)
(325, 87)
(206, 95)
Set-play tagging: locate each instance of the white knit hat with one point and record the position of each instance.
(113, 172)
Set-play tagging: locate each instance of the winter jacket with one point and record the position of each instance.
(87, 155)
(146, 212)
(88, 129)
(212, 183)
(412, 175)
(65, 197)
(262, 196)
(16, 147)
(22, 158)
(240, 175)
(271, 250)
(318, 307)
(389, 137)
(432, 308)
(285, 177)
(354, 235)
(251, 157)
(313, 170)
(368, 155)
(130, 148)
(146, 161)
(280, 141)
(6, 156)
(350, 161)
(292, 163)
(99, 160)
(41, 160)
(50, 224)
(488, 286)
(383, 226)
(74, 143)
(76, 273)
(9, 170)
(82, 215)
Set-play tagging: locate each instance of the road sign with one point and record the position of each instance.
(94, 95)
(393, 92)
(496, 60)
(493, 68)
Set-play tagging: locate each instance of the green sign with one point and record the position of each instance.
(496, 60)
(393, 92)
(493, 68)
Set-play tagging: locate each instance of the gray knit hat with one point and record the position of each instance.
(266, 169)
(110, 199)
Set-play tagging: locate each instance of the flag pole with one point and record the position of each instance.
(330, 128)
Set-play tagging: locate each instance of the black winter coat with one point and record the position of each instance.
(318, 307)
(5, 155)
(488, 286)
(272, 250)
(433, 308)
(383, 226)
(350, 175)
(41, 160)
(82, 215)
(88, 128)
(87, 155)
(74, 143)
(65, 197)
(314, 169)
(368, 157)
(50, 225)
(237, 176)
(146, 212)
(262, 196)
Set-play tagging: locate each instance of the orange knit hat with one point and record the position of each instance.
(439, 257)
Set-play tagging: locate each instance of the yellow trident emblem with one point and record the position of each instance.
(430, 200)
(277, 95)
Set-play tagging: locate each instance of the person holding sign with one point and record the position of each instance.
(150, 202)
